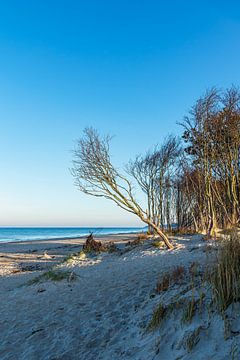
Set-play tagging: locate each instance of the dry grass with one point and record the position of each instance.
(193, 270)
(225, 277)
(178, 274)
(192, 340)
(169, 279)
(234, 351)
(163, 284)
(189, 310)
(142, 236)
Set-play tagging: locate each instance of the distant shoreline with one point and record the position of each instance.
(72, 238)
(98, 233)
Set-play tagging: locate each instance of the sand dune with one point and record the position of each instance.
(103, 313)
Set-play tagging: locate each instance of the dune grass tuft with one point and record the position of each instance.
(192, 340)
(157, 317)
(225, 277)
(189, 310)
(168, 279)
(163, 284)
(53, 275)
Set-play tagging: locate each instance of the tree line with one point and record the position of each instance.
(192, 181)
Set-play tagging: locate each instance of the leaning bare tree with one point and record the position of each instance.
(95, 175)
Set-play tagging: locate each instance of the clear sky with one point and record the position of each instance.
(129, 68)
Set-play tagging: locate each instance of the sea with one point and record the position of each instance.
(9, 234)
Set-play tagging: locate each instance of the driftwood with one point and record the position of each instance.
(93, 245)
(98, 246)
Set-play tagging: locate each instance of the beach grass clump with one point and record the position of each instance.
(53, 275)
(234, 351)
(189, 311)
(194, 270)
(163, 284)
(177, 274)
(157, 317)
(225, 276)
(192, 339)
(168, 279)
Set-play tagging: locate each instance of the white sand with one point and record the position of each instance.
(103, 314)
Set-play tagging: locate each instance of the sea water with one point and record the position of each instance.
(8, 234)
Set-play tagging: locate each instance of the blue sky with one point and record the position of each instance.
(129, 68)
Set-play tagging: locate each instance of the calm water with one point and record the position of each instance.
(28, 233)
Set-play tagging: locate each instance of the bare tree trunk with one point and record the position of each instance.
(159, 232)
(164, 238)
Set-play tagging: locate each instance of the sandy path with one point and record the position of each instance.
(101, 315)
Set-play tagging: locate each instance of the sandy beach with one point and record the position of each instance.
(120, 180)
(102, 309)
(19, 256)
